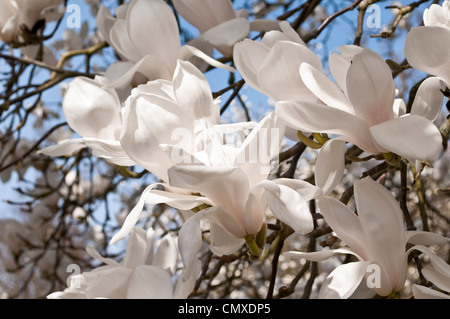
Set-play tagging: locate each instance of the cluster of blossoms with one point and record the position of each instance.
(154, 108)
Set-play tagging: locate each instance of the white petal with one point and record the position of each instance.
(66, 147)
(136, 248)
(312, 117)
(149, 282)
(327, 91)
(166, 256)
(429, 98)
(426, 238)
(222, 243)
(188, 52)
(426, 49)
(382, 223)
(264, 25)
(346, 224)
(421, 292)
(108, 283)
(370, 87)
(330, 165)
(104, 21)
(343, 281)
(439, 279)
(193, 92)
(411, 136)
(288, 206)
(228, 33)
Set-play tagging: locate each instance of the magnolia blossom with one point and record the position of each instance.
(143, 273)
(271, 65)
(426, 47)
(376, 236)
(145, 35)
(362, 109)
(17, 13)
(219, 24)
(93, 112)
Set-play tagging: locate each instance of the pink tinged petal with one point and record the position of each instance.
(154, 18)
(382, 223)
(421, 292)
(326, 90)
(136, 248)
(429, 98)
(426, 49)
(166, 256)
(222, 243)
(187, 52)
(311, 117)
(279, 72)
(425, 238)
(254, 211)
(193, 92)
(339, 65)
(151, 196)
(228, 33)
(346, 224)
(66, 147)
(330, 165)
(288, 206)
(411, 136)
(109, 283)
(370, 87)
(248, 56)
(92, 110)
(149, 282)
(224, 186)
(342, 282)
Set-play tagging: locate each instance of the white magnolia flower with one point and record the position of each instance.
(362, 109)
(426, 47)
(376, 236)
(271, 65)
(94, 112)
(17, 13)
(145, 35)
(219, 24)
(143, 273)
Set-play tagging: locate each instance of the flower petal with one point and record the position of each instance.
(411, 136)
(421, 292)
(382, 223)
(429, 98)
(426, 49)
(222, 243)
(330, 165)
(108, 283)
(166, 256)
(311, 117)
(370, 87)
(149, 282)
(228, 33)
(343, 281)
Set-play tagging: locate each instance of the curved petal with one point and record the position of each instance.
(193, 92)
(346, 224)
(187, 52)
(382, 223)
(136, 248)
(92, 110)
(426, 49)
(288, 206)
(151, 196)
(343, 281)
(110, 150)
(425, 238)
(429, 98)
(108, 283)
(330, 165)
(319, 255)
(66, 147)
(224, 186)
(411, 136)
(227, 33)
(264, 25)
(156, 18)
(322, 87)
(438, 278)
(311, 117)
(166, 256)
(222, 243)
(149, 282)
(105, 22)
(279, 72)
(370, 87)
(421, 292)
